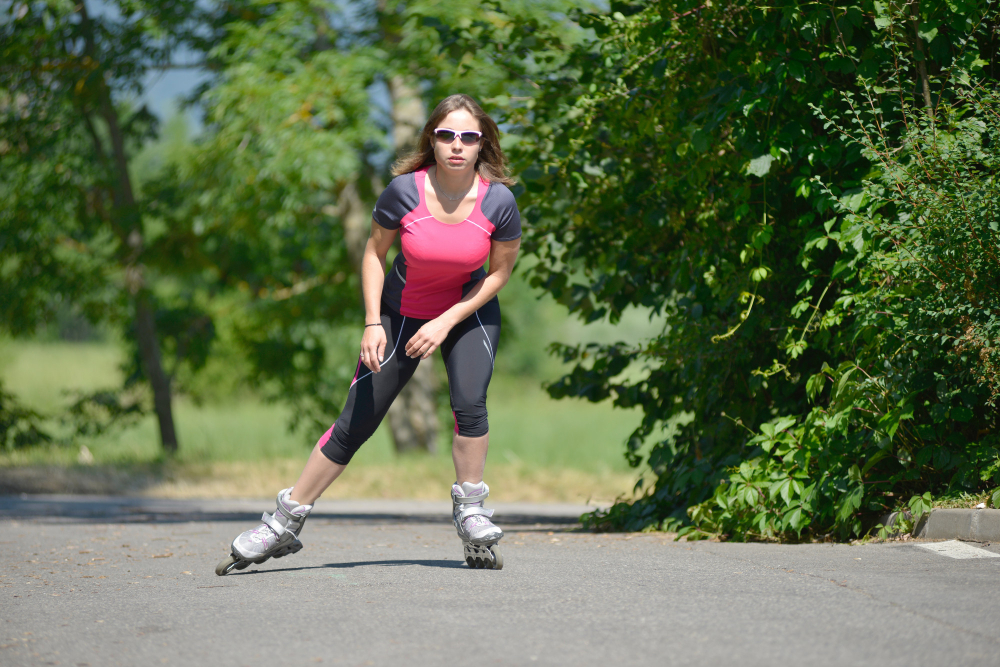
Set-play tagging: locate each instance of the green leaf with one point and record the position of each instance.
(785, 490)
(926, 34)
(844, 379)
(760, 166)
(814, 385)
(784, 423)
(889, 422)
(920, 505)
(854, 474)
(960, 413)
(873, 460)
(700, 141)
(795, 520)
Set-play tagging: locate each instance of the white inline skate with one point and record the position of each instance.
(479, 535)
(278, 536)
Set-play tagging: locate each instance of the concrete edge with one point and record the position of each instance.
(960, 524)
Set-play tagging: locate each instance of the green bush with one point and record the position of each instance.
(19, 426)
(692, 159)
(911, 411)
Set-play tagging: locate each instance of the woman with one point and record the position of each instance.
(450, 205)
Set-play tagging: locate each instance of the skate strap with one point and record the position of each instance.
(287, 513)
(473, 511)
(468, 500)
(274, 524)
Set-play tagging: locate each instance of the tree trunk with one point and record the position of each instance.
(128, 225)
(413, 416)
(920, 53)
(145, 324)
(408, 114)
(149, 350)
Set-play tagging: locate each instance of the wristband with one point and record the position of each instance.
(376, 324)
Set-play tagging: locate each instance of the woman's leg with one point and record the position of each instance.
(368, 401)
(468, 356)
(319, 473)
(469, 456)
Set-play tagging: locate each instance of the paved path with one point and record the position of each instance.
(95, 582)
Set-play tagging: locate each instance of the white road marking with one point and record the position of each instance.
(956, 549)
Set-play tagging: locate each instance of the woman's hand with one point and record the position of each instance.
(373, 347)
(428, 338)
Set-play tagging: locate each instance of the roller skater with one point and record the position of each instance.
(278, 536)
(479, 535)
(450, 205)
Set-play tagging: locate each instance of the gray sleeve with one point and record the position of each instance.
(398, 199)
(500, 208)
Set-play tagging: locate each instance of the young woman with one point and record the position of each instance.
(450, 205)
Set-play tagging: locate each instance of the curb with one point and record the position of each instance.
(960, 524)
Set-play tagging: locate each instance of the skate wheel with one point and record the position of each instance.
(471, 561)
(497, 562)
(227, 565)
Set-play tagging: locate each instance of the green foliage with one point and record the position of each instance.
(61, 239)
(76, 230)
(100, 412)
(19, 426)
(300, 137)
(676, 163)
(914, 411)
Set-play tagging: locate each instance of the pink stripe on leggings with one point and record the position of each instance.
(326, 437)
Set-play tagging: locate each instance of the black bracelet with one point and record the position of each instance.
(376, 324)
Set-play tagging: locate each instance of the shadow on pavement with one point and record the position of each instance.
(451, 564)
(123, 509)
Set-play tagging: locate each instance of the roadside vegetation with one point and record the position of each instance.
(238, 445)
(774, 228)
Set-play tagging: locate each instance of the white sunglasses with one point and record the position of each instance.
(447, 135)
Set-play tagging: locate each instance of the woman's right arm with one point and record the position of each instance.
(372, 277)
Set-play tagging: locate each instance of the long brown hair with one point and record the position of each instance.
(492, 163)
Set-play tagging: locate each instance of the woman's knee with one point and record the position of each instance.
(471, 422)
(339, 446)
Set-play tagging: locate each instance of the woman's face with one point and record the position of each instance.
(456, 157)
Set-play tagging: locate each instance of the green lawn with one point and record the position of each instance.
(527, 427)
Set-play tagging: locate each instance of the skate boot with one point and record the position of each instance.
(479, 535)
(278, 536)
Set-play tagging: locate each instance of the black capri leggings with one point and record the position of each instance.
(468, 353)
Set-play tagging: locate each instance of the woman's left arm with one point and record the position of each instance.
(430, 336)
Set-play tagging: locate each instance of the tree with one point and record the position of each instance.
(311, 108)
(74, 225)
(675, 163)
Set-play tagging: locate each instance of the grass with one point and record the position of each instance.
(540, 449)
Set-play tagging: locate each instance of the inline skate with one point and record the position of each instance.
(278, 536)
(472, 522)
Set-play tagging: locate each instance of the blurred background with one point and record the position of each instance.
(200, 185)
(757, 278)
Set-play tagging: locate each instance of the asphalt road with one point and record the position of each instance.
(114, 582)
